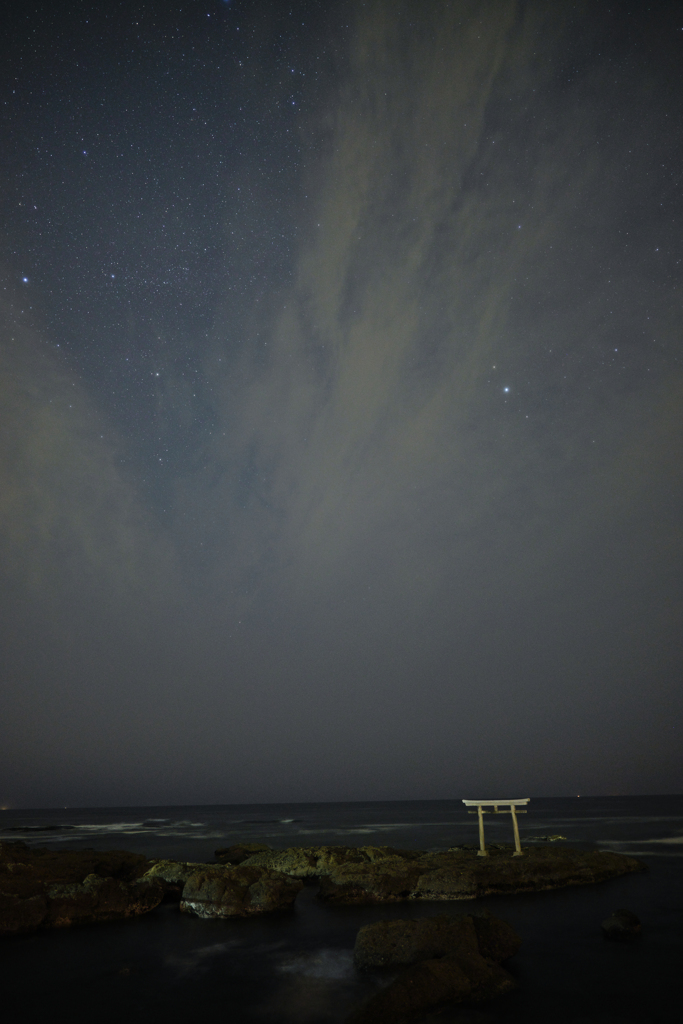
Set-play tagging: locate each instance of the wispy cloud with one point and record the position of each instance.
(436, 519)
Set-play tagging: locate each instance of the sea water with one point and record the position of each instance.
(296, 967)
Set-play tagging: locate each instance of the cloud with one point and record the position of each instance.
(432, 533)
(69, 516)
(449, 256)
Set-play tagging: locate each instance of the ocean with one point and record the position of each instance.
(296, 967)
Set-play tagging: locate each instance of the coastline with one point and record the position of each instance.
(296, 967)
(41, 888)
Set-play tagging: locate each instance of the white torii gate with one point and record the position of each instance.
(509, 808)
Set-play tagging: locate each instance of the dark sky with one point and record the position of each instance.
(341, 394)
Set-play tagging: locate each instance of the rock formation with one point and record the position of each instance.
(51, 889)
(318, 861)
(209, 890)
(441, 959)
(376, 874)
(239, 852)
(100, 899)
(392, 944)
(45, 888)
(622, 925)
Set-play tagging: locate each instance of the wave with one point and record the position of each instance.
(68, 831)
(36, 828)
(667, 846)
(349, 830)
(650, 853)
(668, 839)
(678, 840)
(266, 821)
(612, 819)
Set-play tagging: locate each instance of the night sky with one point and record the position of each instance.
(341, 400)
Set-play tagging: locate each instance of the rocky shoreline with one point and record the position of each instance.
(52, 889)
(48, 889)
(380, 874)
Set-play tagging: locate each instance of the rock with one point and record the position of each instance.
(41, 888)
(236, 854)
(375, 854)
(459, 874)
(487, 978)
(273, 891)
(384, 881)
(366, 874)
(453, 881)
(423, 987)
(443, 960)
(101, 899)
(210, 890)
(237, 892)
(433, 983)
(51, 888)
(377, 874)
(26, 871)
(396, 944)
(19, 915)
(496, 939)
(174, 872)
(622, 925)
(318, 861)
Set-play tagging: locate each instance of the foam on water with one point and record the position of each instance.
(197, 961)
(150, 826)
(334, 964)
(634, 847)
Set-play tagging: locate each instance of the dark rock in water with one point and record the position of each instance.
(423, 987)
(19, 914)
(496, 939)
(101, 899)
(377, 874)
(318, 861)
(445, 961)
(238, 892)
(395, 944)
(210, 890)
(47, 888)
(386, 881)
(238, 853)
(175, 872)
(24, 870)
(622, 925)
(42, 888)
(460, 874)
